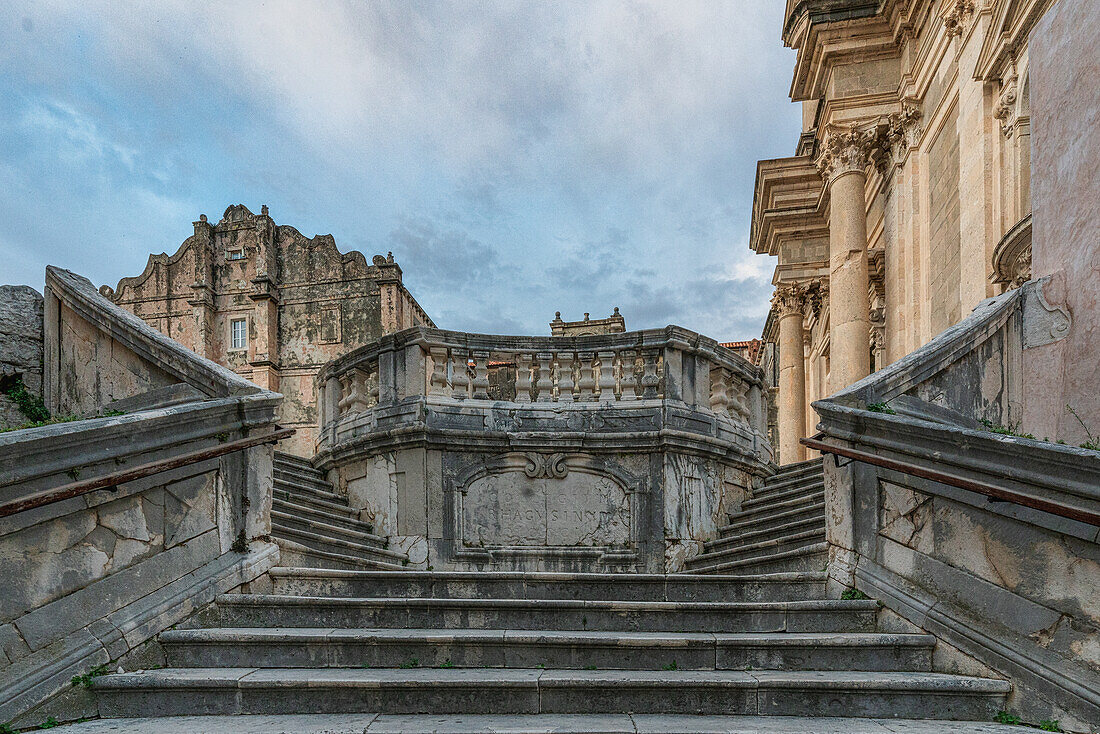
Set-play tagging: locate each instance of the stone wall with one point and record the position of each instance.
(20, 347)
(1066, 228)
(91, 577)
(1006, 582)
(303, 303)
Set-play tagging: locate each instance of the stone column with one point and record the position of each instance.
(847, 153)
(788, 303)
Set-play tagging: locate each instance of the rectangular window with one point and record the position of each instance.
(238, 334)
(234, 255)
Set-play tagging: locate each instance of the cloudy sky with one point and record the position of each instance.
(518, 158)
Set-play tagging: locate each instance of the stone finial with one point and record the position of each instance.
(379, 260)
(389, 256)
(789, 299)
(586, 317)
(263, 210)
(557, 316)
(202, 217)
(848, 149)
(616, 313)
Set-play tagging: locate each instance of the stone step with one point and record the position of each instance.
(774, 485)
(577, 650)
(296, 554)
(773, 544)
(308, 477)
(250, 690)
(303, 488)
(528, 724)
(783, 516)
(285, 458)
(348, 519)
(807, 558)
(270, 610)
(303, 467)
(520, 585)
(766, 512)
(808, 521)
(800, 466)
(307, 523)
(339, 506)
(789, 493)
(329, 544)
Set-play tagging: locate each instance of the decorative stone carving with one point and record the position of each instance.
(848, 150)
(1005, 110)
(1044, 323)
(956, 16)
(817, 298)
(904, 130)
(1012, 256)
(546, 465)
(789, 299)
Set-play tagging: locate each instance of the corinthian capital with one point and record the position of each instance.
(789, 300)
(956, 16)
(847, 150)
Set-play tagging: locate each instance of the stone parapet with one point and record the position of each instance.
(611, 451)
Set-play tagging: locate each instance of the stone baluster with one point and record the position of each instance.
(719, 390)
(372, 388)
(523, 378)
(628, 378)
(606, 380)
(544, 383)
(460, 379)
(481, 376)
(650, 380)
(437, 382)
(565, 377)
(586, 385)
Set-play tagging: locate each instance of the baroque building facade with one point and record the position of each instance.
(907, 201)
(271, 304)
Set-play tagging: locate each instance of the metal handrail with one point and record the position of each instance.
(76, 489)
(953, 480)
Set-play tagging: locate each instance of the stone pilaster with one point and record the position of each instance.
(846, 153)
(789, 303)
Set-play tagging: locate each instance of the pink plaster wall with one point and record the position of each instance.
(1065, 118)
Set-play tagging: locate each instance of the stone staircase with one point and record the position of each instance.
(316, 528)
(421, 642)
(781, 529)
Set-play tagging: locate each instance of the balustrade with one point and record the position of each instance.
(635, 368)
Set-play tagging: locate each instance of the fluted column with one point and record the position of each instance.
(789, 303)
(847, 153)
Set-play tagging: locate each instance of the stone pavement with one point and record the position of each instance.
(531, 724)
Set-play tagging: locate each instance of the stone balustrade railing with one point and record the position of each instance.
(634, 368)
(621, 451)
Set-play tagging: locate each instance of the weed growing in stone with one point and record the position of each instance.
(1093, 444)
(410, 663)
(881, 408)
(854, 595)
(6, 729)
(1050, 725)
(671, 666)
(86, 679)
(49, 723)
(447, 664)
(1012, 429)
(1004, 717)
(590, 667)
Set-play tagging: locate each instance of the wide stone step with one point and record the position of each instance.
(531, 585)
(330, 544)
(270, 610)
(432, 648)
(790, 493)
(772, 520)
(372, 723)
(769, 511)
(339, 506)
(773, 544)
(296, 554)
(178, 691)
(307, 523)
(807, 558)
(800, 466)
(348, 519)
(808, 521)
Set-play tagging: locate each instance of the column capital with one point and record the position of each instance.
(789, 300)
(904, 129)
(847, 149)
(956, 16)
